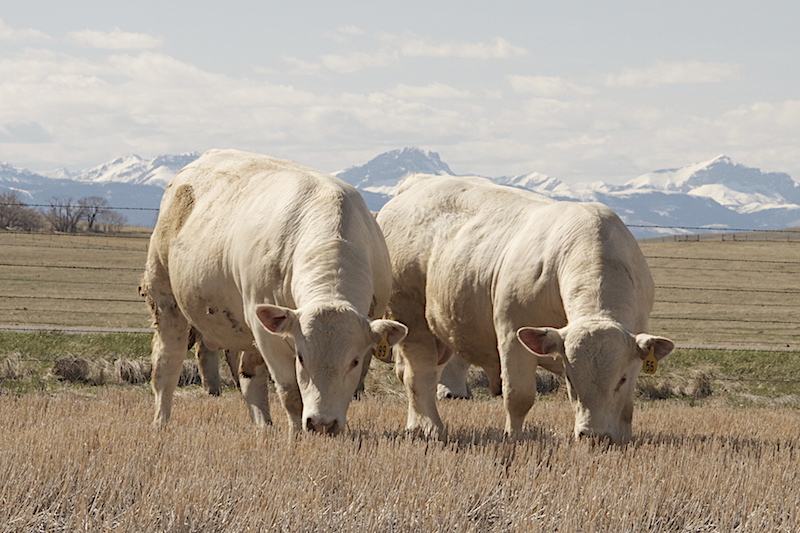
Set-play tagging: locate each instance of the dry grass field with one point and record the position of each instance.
(72, 280)
(716, 432)
(90, 461)
(727, 292)
(740, 293)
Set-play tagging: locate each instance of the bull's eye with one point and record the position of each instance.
(621, 383)
(355, 363)
(300, 358)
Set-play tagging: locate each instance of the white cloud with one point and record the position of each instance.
(782, 116)
(498, 48)
(350, 63)
(351, 30)
(547, 86)
(675, 72)
(303, 68)
(433, 90)
(394, 47)
(115, 40)
(56, 108)
(344, 34)
(14, 35)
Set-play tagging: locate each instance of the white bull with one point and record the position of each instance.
(474, 262)
(250, 249)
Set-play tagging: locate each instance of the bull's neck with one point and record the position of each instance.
(332, 271)
(598, 286)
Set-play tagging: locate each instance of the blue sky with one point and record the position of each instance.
(578, 90)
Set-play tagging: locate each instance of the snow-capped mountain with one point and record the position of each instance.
(132, 169)
(553, 187)
(18, 179)
(140, 201)
(741, 188)
(382, 174)
(713, 194)
(377, 179)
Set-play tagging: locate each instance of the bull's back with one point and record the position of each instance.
(582, 261)
(446, 237)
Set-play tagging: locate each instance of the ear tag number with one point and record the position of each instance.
(650, 363)
(382, 351)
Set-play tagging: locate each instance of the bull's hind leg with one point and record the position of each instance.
(253, 382)
(232, 357)
(453, 383)
(169, 351)
(208, 365)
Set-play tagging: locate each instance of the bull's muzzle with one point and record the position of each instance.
(323, 426)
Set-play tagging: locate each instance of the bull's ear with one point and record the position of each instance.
(662, 346)
(395, 331)
(541, 341)
(276, 319)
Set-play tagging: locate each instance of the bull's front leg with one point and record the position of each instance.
(417, 367)
(280, 358)
(518, 374)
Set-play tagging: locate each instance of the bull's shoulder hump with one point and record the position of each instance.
(244, 162)
(438, 182)
(464, 190)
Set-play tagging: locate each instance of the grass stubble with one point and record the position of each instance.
(90, 460)
(83, 456)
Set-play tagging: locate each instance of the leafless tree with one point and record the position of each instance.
(14, 214)
(64, 214)
(93, 206)
(10, 208)
(111, 221)
(31, 220)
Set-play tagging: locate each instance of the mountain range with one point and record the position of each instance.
(712, 195)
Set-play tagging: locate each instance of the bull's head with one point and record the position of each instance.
(601, 363)
(332, 344)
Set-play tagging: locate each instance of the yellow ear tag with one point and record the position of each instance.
(382, 351)
(650, 363)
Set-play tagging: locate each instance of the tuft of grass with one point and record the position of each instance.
(50, 361)
(132, 371)
(695, 386)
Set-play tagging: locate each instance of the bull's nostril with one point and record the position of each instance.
(326, 428)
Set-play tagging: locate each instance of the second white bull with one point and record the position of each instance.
(474, 263)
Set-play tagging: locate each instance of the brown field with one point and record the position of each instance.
(727, 292)
(78, 456)
(740, 293)
(91, 462)
(49, 290)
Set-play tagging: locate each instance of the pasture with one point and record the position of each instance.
(716, 431)
(91, 461)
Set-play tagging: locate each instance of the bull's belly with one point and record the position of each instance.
(223, 329)
(213, 306)
(466, 327)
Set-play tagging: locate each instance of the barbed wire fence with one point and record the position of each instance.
(689, 289)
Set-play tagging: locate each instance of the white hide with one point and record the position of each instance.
(473, 262)
(250, 249)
